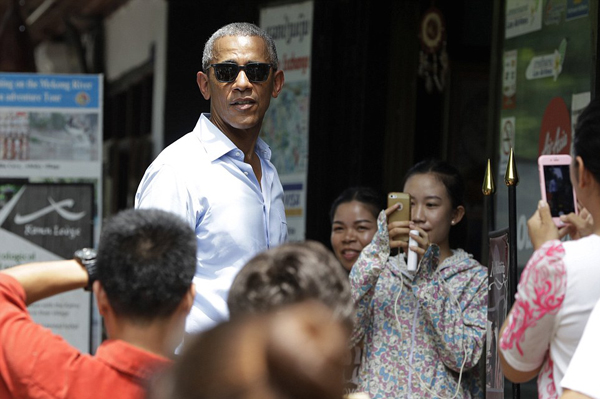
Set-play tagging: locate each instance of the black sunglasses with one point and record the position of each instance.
(255, 71)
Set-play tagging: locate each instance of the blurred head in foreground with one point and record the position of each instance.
(288, 274)
(296, 352)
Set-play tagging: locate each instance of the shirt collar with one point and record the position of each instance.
(216, 143)
(131, 360)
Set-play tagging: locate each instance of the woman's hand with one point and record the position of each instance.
(577, 226)
(398, 229)
(541, 226)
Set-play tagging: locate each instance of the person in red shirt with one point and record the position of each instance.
(142, 281)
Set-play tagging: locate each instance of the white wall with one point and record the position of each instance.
(131, 33)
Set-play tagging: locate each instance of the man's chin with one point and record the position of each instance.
(247, 124)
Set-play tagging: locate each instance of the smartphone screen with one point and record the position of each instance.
(559, 191)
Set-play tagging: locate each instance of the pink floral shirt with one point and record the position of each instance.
(557, 291)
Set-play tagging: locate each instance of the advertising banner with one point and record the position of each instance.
(522, 16)
(497, 310)
(548, 65)
(43, 222)
(285, 127)
(50, 173)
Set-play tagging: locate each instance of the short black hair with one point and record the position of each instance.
(146, 261)
(365, 195)
(292, 273)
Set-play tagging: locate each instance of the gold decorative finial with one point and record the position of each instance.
(488, 187)
(511, 178)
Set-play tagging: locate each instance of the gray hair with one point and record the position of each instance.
(239, 29)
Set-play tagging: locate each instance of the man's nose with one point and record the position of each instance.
(241, 81)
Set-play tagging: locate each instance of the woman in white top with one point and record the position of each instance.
(581, 380)
(559, 285)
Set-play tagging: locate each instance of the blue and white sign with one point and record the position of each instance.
(54, 91)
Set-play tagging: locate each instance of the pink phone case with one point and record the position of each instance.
(555, 185)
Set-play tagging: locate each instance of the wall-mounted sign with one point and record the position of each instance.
(51, 168)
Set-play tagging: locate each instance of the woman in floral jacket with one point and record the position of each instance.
(423, 330)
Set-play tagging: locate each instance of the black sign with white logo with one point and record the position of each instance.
(57, 217)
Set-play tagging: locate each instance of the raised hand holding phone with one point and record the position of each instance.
(541, 227)
(398, 214)
(555, 185)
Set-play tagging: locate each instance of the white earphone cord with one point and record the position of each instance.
(400, 340)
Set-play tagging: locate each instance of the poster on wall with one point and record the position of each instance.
(51, 168)
(285, 127)
(548, 60)
(522, 17)
(509, 80)
(577, 9)
(497, 310)
(43, 222)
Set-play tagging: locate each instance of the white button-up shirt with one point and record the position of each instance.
(203, 178)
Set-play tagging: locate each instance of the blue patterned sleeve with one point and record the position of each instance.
(364, 276)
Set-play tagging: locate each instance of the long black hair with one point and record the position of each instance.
(586, 143)
(455, 187)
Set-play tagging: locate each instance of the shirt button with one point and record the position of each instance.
(246, 173)
(237, 154)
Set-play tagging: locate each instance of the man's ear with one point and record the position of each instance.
(202, 80)
(278, 80)
(101, 299)
(188, 300)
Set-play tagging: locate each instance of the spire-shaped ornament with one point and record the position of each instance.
(511, 178)
(488, 187)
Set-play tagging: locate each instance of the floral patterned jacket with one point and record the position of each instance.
(416, 337)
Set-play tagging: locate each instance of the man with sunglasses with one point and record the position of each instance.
(219, 177)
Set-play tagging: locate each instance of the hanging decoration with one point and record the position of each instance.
(433, 59)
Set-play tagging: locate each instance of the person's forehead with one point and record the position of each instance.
(353, 210)
(425, 185)
(242, 48)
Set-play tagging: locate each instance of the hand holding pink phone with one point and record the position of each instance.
(555, 185)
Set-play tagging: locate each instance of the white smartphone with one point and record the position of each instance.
(555, 185)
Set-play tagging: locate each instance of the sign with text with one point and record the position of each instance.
(522, 17)
(285, 127)
(549, 59)
(51, 168)
(60, 91)
(42, 222)
(50, 125)
(497, 309)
